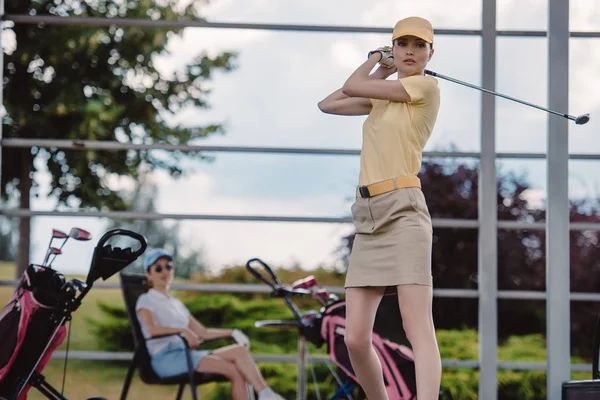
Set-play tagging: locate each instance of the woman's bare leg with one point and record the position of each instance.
(361, 308)
(241, 358)
(216, 365)
(415, 303)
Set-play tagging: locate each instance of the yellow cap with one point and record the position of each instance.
(414, 26)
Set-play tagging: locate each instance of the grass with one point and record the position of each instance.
(86, 379)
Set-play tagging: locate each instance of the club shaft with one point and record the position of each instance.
(500, 95)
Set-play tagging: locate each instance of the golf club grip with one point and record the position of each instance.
(260, 276)
(125, 232)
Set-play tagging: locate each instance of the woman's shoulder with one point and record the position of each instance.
(422, 80)
(143, 299)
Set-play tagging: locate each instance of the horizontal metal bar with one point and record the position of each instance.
(522, 225)
(542, 156)
(437, 222)
(584, 34)
(128, 356)
(517, 33)
(200, 23)
(537, 295)
(154, 216)
(255, 288)
(456, 293)
(148, 23)
(291, 359)
(259, 288)
(531, 366)
(118, 146)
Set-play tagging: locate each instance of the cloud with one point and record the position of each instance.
(346, 55)
(535, 198)
(388, 12)
(230, 242)
(522, 15)
(584, 15)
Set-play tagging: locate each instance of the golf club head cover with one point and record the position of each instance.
(387, 59)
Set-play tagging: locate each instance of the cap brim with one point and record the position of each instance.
(153, 259)
(415, 34)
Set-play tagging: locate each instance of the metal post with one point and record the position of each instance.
(487, 244)
(1, 87)
(557, 219)
(302, 358)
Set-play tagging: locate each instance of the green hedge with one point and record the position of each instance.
(112, 332)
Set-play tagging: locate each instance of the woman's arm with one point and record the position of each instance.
(207, 333)
(339, 103)
(149, 323)
(359, 84)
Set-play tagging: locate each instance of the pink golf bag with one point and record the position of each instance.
(24, 320)
(328, 327)
(397, 361)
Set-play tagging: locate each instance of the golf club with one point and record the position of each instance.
(580, 120)
(53, 251)
(56, 234)
(77, 234)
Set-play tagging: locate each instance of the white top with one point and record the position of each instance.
(168, 312)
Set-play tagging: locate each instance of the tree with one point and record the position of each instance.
(451, 192)
(96, 83)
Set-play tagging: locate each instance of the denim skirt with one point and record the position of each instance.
(172, 361)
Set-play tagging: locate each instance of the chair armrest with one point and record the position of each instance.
(217, 339)
(179, 335)
(207, 341)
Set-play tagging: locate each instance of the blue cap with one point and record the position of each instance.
(154, 255)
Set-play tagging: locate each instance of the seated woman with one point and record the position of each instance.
(160, 313)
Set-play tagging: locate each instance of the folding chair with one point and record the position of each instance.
(132, 287)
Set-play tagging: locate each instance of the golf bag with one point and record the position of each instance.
(396, 360)
(29, 326)
(327, 327)
(32, 324)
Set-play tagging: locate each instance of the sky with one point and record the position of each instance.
(271, 100)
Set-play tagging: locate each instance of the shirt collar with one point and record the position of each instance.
(154, 292)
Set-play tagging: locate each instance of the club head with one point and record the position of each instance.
(55, 251)
(58, 234)
(80, 234)
(582, 119)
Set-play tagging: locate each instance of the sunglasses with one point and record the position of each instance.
(159, 268)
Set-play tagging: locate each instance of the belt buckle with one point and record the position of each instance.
(364, 191)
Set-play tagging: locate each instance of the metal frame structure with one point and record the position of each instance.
(557, 226)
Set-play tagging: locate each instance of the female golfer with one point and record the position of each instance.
(392, 247)
(161, 314)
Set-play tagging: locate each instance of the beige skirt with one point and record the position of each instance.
(393, 240)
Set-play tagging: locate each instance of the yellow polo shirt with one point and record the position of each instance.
(395, 133)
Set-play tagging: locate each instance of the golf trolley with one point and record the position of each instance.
(32, 324)
(327, 327)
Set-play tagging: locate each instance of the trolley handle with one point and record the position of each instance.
(279, 289)
(273, 282)
(126, 232)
